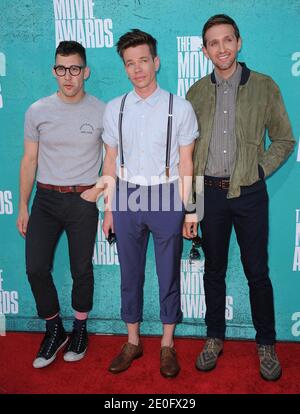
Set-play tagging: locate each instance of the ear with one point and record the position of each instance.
(53, 73)
(86, 73)
(156, 63)
(239, 44)
(204, 50)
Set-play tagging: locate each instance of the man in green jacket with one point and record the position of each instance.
(235, 107)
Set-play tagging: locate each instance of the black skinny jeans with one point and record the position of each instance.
(51, 214)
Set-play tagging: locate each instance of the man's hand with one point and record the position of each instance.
(91, 194)
(22, 222)
(108, 223)
(190, 226)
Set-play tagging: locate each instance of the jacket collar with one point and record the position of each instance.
(244, 77)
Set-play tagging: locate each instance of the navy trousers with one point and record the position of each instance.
(248, 214)
(139, 211)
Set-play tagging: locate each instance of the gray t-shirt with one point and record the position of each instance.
(69, 137)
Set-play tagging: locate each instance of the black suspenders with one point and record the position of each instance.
(169, 135)
(120, 135)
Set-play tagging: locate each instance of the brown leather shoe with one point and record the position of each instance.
(169, 366)
(128, 353)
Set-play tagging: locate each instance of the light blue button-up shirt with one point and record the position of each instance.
(144, 134)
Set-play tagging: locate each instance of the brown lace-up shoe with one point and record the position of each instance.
(169, 366)
(128, 353)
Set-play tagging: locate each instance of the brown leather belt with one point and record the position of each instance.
(215, 182)
(65, 188)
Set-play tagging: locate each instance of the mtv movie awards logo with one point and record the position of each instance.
(75, 20)
(296, 264)
(296, 66)
(192, 291)
(104, 253)
(2, 73)
(8, 303)
(6, 205)
(192, 63)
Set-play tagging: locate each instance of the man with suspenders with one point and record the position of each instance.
(149, 139)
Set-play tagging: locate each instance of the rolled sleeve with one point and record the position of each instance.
(188, 130)
(30, 129)
(110, 126)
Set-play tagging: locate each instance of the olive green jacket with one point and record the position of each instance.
(259, 108)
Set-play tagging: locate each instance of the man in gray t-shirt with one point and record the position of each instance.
(63, 151)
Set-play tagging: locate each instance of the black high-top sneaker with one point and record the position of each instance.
(55, 338)
(77, 345)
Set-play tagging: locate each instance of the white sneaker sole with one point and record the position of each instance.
(43, 362)
(73, 357)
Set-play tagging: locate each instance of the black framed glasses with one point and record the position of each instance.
(74, 70)
(195, 252)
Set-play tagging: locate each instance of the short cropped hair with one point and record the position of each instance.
(219, 19)
(71, 47)
(136, 38)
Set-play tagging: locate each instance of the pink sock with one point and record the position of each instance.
(81, 316)
(51, 317)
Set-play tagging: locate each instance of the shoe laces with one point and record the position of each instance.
(49, 340)
(77, 337)
(211, 345)
(129, 349)
(167, 351)
(267, 351)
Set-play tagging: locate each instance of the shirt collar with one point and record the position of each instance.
(151, 100)
(234, 79)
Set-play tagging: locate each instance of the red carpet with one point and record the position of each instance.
(236, 373)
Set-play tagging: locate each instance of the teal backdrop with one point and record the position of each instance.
(29, 33)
